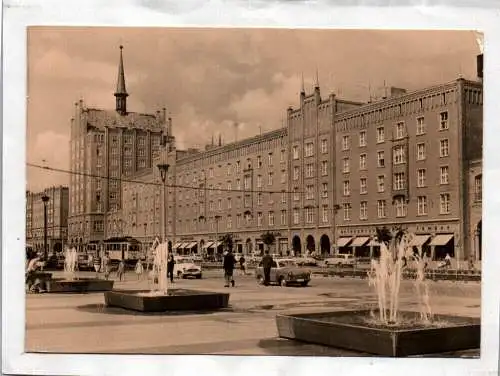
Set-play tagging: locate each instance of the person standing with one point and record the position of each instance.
(242, 265)
(139, 269)
(170, 267)
(228, 264)
(97, 265)
(267, 264)
(121, 270)
(106, 267)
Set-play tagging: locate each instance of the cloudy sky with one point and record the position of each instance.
(209, 78)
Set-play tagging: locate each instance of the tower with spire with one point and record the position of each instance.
(121, 91)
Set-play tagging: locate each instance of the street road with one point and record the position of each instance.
(81, 323)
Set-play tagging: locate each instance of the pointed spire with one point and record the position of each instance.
(316, 83)
(302, 88)
(121, 91)
(220, 139)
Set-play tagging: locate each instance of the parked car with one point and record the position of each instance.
(306, 261)
(186, 267)
(340, 260)
(285, 272)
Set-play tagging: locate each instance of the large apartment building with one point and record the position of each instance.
(326, 181)
(57, 218)
(106, 146)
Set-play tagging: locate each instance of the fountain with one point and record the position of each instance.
(387, 330)
(161, 298)
(72, 283)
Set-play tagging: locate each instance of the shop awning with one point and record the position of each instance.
(442, 239)
(176, 245)
(190, 245)
(374, 243)
(419, 240)
(216, 244)
(209, 244)
(360, 241)
(342, 242)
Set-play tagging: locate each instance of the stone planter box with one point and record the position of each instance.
(350, 330)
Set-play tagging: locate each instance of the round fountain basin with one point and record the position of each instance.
(174, 300)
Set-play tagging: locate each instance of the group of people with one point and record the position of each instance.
(230, 262)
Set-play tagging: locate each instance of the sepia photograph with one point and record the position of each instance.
(254, 191)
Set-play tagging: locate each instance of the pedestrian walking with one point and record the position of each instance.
(170, 268)
(97, 265)
(472, 267)
(229, 264)
(242, 262)
(121, 270)
(267, 264)
(139, 270)
(106, 265)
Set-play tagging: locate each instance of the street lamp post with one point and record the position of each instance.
(163, 167)
(217, 218)
(45, 199)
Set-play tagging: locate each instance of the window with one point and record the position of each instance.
(309, 192)
(324, 190)
(309, 215)
(259, 219)
(271, 218)
(478, 188)
(380, 159)
(259, 161)
(444, 203)
(443, 120)
(324, 168)
(259, 198)
(295, 152)
(345, 165)
(309, 170)
(347, 189)
(399, 155)
(421, 177)
(380, 135)
(421, 205)
(362, 162)
(324, 214)
(381, 213)
(295, 216)
(270, 159)
(296, 196)
(380, 183)
(400, 207)
(229, 222)
(270, 178)
(283, 197)
(283, 176)
(229, 170)
(420, 125)
(296, 173)
(324, 146)
(309, 149)
(444, 148)
(228, 187)
(363, 210)
(229, 203)
(347, 211)
(345, 142)
(362, 186)
(400, 130)
(362, 138)
(443, 174)
(248, 181)
(399, 181)
(238, 184)
(238, 167)
(211, 172)
(219, 204)
(283, 217)
(420, 151)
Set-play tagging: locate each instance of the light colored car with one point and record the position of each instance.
(306, 261)
(340, 260)
(285, 272)
(186, 267)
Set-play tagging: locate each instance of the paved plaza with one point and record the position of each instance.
(73, 323)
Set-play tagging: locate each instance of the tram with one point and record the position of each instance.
(125, 248)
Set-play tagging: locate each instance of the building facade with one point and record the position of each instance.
(475, 223)
(57, 218)
(325, 182)
(106, 147)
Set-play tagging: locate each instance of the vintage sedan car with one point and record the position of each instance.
(186, 267)
(285, 272)
(340, 260)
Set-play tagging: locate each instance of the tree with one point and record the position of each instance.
(383, 235)
(268, 238)
(227, 241)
